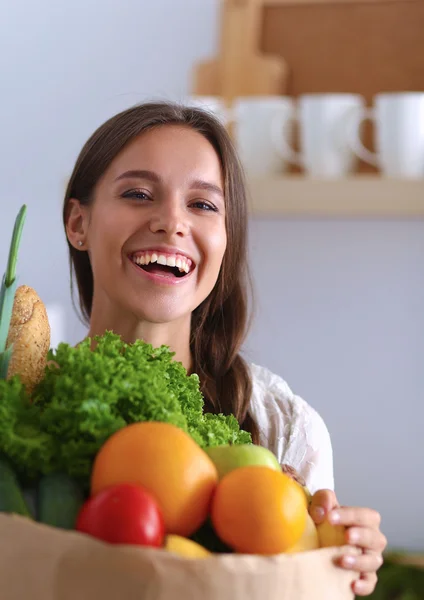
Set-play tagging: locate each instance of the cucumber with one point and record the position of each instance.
(11, 496)
(59, 499)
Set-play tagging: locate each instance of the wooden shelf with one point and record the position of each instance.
(365, 196)
(268, 3)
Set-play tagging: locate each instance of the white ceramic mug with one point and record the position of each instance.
(256, 121)
(398, 132)
(57, 322)
(212, 104)
(324, 146)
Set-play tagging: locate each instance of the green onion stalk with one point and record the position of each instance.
(7, 292)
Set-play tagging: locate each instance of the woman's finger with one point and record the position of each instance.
(365, 585)
(323, 501)
(364, 563)
(366, 537)
(352, 515)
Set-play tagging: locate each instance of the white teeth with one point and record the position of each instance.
(183, 264)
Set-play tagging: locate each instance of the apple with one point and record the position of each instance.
(229, 457)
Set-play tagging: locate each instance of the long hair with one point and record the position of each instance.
(219, 325)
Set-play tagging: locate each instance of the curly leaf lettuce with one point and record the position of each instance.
(88, 394)
(21, 438)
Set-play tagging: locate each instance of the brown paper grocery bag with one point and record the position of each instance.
(43, 563)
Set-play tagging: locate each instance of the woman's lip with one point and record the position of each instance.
(160, 278)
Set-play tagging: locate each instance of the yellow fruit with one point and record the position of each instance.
(185, 547)
(331, 535)
(309, 539)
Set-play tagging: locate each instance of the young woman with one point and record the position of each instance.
(156, 221)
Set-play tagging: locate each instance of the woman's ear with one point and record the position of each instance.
(77, 224)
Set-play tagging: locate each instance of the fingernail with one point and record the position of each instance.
(360, 586)
(348, 561)
(334, 517)
(353, 536)
(318, 513)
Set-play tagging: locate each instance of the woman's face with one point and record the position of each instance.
(160, 201)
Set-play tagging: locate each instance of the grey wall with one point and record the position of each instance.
(340, 316)
(340, 303)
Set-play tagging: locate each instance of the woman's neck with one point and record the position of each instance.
(176, 334)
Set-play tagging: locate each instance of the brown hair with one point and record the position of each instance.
(220, 323)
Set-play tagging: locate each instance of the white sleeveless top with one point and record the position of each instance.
(291, 429)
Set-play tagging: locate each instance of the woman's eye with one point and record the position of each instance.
(204, 206)
(137, 194)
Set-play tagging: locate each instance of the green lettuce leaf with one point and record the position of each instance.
(22, 439)
(87, 395)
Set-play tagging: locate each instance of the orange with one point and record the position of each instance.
(168, 463)
(257, 510)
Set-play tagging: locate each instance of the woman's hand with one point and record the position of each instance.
(363, 531)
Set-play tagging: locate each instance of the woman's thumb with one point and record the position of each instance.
(323, 501)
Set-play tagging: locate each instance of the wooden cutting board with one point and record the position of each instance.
(240, 69)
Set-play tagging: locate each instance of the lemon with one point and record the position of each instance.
(185, 547)
(331, 535)
(309, 539)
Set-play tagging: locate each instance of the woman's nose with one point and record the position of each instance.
(170, 219)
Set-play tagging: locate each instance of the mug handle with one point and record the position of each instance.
(354, 123)
(280, 138)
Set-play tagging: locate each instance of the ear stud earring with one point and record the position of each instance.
(79, 243)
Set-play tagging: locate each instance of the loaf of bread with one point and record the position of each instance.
(29, 333)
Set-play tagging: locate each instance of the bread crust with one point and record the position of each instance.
(29, 333)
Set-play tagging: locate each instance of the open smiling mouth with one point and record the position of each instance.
(164, 266)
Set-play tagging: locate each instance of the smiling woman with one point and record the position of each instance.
(156, 220)
(158, 212)
(163, 250)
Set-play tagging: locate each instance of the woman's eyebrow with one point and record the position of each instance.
(139, 174)
(197, 184)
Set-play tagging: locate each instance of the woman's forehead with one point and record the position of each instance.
(169, 150)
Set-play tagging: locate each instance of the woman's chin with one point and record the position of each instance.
(161, 315)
